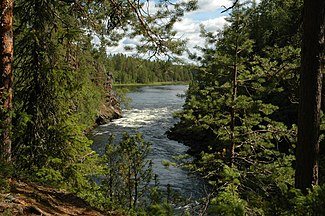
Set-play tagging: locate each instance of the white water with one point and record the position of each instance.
(151, 113)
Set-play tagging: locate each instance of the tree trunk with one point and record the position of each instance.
(310, 94)
(234, 88)
(6, 77)
(233, 107)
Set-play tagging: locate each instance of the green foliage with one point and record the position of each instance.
(60, 75)
(127, 172)
(6, 172)
(162, 210)
(276, 22)
(62, 80)
(111, 21)
(243, 95)
(133, 70)
(228, 201)
(128, 183)
(124, 99)
(57, 95)
(50, 176)
(310, 204)
(239, 114)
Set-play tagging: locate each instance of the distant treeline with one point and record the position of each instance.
(126, 69)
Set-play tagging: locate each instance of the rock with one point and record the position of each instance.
(110, 109)
(107, 114)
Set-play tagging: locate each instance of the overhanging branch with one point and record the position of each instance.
(229, 8)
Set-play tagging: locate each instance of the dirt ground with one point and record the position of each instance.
(31, 199)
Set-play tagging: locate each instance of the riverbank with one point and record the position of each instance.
(150, 112)
(26, 198)
(150, 84)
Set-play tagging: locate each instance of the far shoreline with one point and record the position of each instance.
(151, 84)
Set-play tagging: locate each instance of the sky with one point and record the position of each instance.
(208, 13)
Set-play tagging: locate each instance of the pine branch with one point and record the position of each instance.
(69, 1)
(229, 8)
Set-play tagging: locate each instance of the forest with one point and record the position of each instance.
(130, 70)
(252, 119)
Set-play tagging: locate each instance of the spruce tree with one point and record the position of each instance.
(56, 99)
(59, 76)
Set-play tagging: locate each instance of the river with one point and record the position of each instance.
(151, 113)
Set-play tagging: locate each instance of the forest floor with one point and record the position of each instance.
(32, 199)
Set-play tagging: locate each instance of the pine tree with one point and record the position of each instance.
(311, 78)
(229, 104)
(59, 77)
(6, 79)
(56, 99)
(127, 171)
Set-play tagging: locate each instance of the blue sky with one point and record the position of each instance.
(208, 14)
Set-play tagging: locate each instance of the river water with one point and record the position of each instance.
(151, 113)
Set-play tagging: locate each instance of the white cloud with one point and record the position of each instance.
(212, 5)
(208, 15)
(214, 24)
(116, 49)
(150, 7)
(188, 28)
(130, 42)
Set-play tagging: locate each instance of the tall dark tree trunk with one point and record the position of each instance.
(310, 94)
(233, 108)
(6, 50)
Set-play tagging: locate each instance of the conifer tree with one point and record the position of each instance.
(6, 79)
(229, 103)
(127, 172)
(57, 89)
(311, 78)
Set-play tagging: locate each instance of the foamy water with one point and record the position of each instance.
(151, 113)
